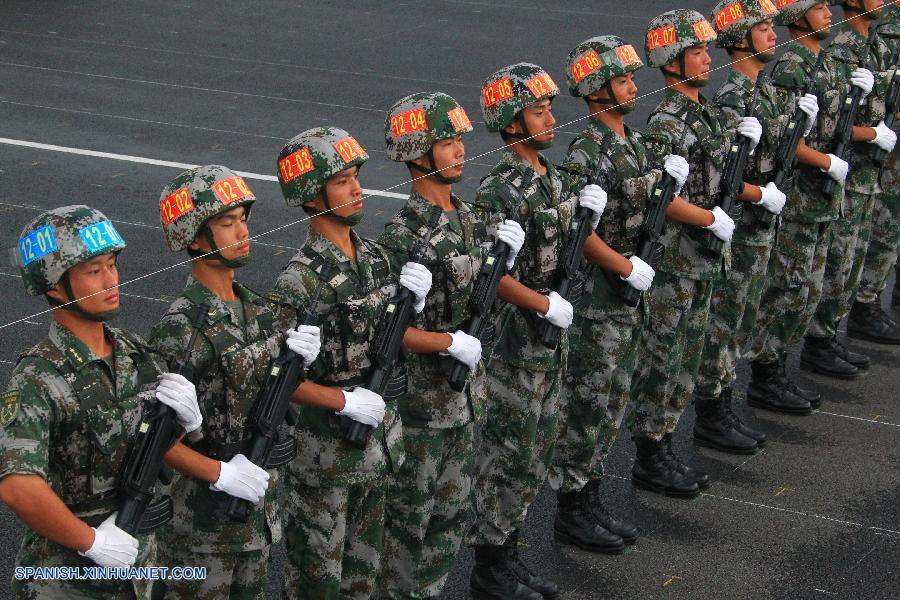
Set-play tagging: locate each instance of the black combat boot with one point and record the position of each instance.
(818, 355)
(525, 576)
(714, 429)
(695, 474)
(617, 525)
(765, 391)
(575, 525)
(868, 322)
(727, 398)
(493, 578)
(860, 361)
(653, 471)
(895, 299)
(812, 396)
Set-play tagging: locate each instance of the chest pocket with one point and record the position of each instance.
(550, 226)
(707, 158)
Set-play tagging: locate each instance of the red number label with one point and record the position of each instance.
(175, 205)
(231, 189)
(408, 122)
(705, 31)
(783, 3)
(295, 165)
(728, 15)
(767, 6)
(497, 91)
(460, 119)
(585, 65)
(350, 150)
(541, 85)
(628, 55)
(657, 38)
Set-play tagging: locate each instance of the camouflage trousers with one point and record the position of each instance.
(596, 389)
(793, 287)
(882, 253)
(333, 536)
(428, 510)
(237, 575)
(671, 346)
(732, 317)
(521, 424)
(844, 265)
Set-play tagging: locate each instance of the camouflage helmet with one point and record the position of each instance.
(313, 156)
(733, 19)
(59, 239)
(870, 15)
(673, 32)
(791, 11)
(196, 196)
(595, 61)
(511, 89)
(416, 122)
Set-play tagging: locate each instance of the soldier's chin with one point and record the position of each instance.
(822, 34)
(626, 107)
(766, 57)
(698, 82)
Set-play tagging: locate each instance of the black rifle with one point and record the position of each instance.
(273, 404)
(157, 432)
(388, 343)
(847, 117)
(733, 174)
(891, 102)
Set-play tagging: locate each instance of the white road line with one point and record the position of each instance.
(831, 414)
(164, 301)
(7, 362)
(160, 163)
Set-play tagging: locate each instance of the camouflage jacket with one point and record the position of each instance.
(732, 99)
(227, 364)
(453, 254)
(68, 416)
(625, 172)
(890, 33)
(513, 189)
(806, 202)
(349, 310)
(705, 148)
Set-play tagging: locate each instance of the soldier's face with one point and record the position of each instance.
(540, 121)
(230, 232)
(764, 40)
(624, 89)
(819, 19)
(696, 63)
(872, 7)
(448, 156)
(344, 193)
(99, 274)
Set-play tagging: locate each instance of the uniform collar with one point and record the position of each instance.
(520, 164)
(199, 295)
(77, 352)
(741, 80)
(675, 100)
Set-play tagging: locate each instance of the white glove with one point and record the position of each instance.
(838, 168)
(364, 406)
(242, 479)
(112, 547)
(641, 277)
(465, 348)
(864, 80)
(417, 279)
(306, 341)
(750, 128)
(511, 233)
(809, 104)
(773, 199)
(885, 137)
(179, 394)
(560, 311)
(593, 198)
(677, 167)
(723, 225)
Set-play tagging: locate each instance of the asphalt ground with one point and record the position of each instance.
(815, 515)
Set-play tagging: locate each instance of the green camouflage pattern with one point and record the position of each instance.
(684, 28)
(593, 62)
(228, 574)
(733, 19)
(881, 255)
(511, 89)
(45, 266)
(416, 122)
(311, 157)
(77, 443)
(428, 511)
(791, 11)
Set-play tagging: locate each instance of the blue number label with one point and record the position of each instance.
(100, 236)
(37, 244)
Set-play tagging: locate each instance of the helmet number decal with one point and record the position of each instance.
(350, 150)
(704, 30)
(296, 164)
(664, 36)
(99, 236)
(628, 55)
(408, 122)
(497, 92)
(728, 15)
(541, 85)
(586, 65)
(231, 190)
(767, 6)
(783, 3)
(36, 244)
(176, 204)
(460, 119)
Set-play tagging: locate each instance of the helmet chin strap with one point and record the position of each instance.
(622, 109)
(526, 135)
(72, 304)
(431, 170)
(328, 213)
(216, 254)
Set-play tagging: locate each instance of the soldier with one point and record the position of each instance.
(205, 211)
(72, 406)
(335, 491)
(822, 352)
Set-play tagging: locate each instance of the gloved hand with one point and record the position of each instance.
(593, 198)
(809, 104)
(863, 79)
(750, 128)
(465, 348)
(885, 137)
(511, 233)
(112, 547)
(773, 199)
(179, 394)
(723, 225)
(641, 277)
(242, 479)
(417, 279)
(364, 406)
(560, 311)
(305, 340)
(838, 168)
(677, 167)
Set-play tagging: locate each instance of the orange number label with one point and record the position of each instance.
(350, 150)
(295, 165)
(767, 6)
(408, 122)
(657, 38)
(728, 15)
(460, 119)
(704, 30)
(541, 85)
(175, 205)
(628, 55)
(586, 65)
(231, 189)
(497, 91)
(783, 3)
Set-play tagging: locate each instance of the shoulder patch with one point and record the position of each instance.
(9, 407)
